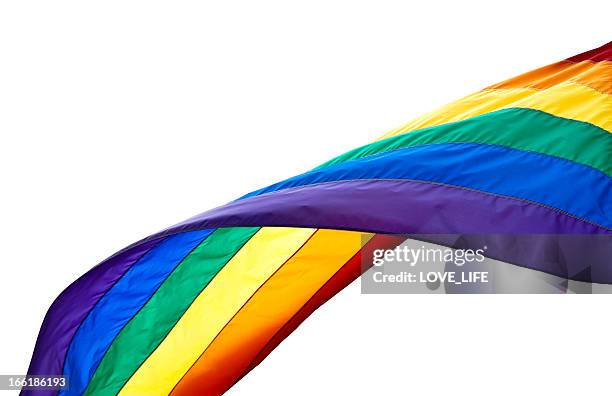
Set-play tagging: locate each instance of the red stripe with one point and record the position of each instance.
(603, 53)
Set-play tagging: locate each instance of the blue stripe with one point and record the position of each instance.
(120, 304)
(574, 188)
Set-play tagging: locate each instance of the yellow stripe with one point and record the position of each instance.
(567, 100)
(258, 259)
(283, 295)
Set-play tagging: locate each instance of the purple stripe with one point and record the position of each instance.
(515, 231)
(393, 207)
(71, 308)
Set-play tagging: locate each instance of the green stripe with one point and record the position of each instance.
(523, 129)
(147, 329)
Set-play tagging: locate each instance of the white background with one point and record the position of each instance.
(119, 118)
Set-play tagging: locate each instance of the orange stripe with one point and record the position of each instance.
(268, 310)
(358, 264)
(595, 75)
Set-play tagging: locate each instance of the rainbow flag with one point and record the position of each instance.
(193, 308)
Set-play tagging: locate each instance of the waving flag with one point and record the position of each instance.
(192, 309)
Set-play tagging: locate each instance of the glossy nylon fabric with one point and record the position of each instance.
(120, 304)
(584, 97)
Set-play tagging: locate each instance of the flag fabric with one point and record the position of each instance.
(524, 165)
